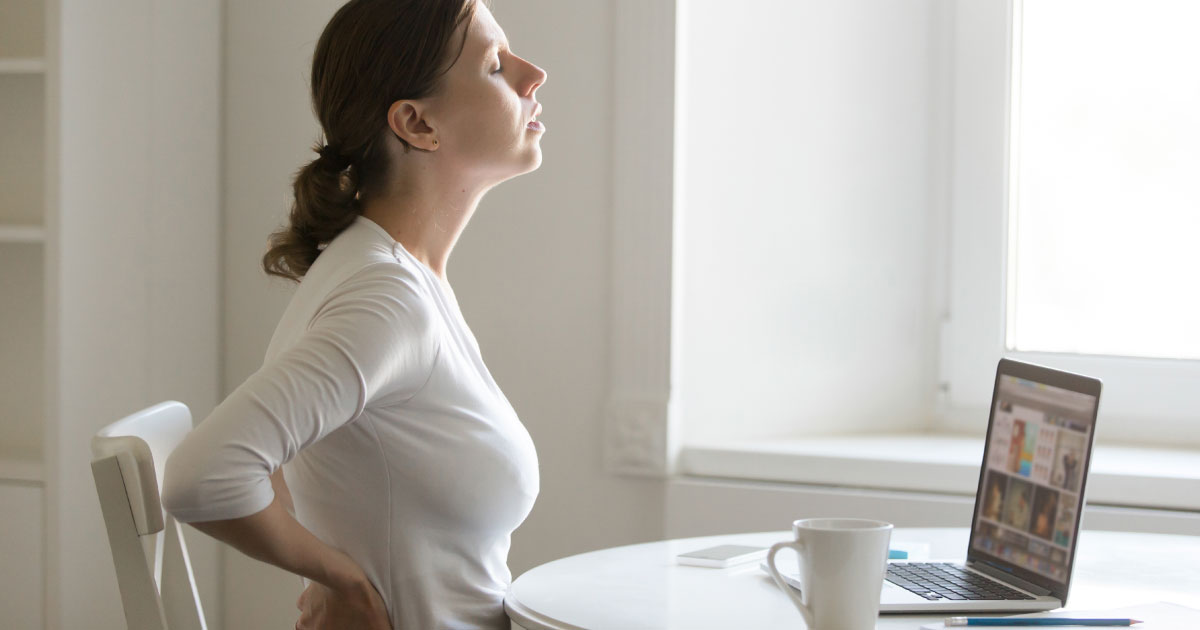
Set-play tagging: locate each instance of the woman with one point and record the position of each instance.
(407, 468)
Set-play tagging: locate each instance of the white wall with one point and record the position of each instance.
(531, 270)
(813, 182)
(268, 126)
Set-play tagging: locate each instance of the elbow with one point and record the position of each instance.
(179, 485)
(201, 485)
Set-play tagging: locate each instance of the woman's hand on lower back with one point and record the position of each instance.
(340, 595)
(322, 608)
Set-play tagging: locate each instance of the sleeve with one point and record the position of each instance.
(372, 338)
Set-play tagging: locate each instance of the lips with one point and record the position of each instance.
(537, 112)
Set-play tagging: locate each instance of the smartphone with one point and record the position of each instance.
(722, 556)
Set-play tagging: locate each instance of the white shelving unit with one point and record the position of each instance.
(23, 139)
(109, 274)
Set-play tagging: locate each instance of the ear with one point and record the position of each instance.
(407, 120)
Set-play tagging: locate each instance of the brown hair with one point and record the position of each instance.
(370, 55)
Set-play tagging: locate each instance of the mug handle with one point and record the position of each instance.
(787, 588)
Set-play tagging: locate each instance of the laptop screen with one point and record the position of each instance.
(1030, 499)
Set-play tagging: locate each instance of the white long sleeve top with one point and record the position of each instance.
(397, 445)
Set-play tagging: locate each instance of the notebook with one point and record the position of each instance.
(1028, 505)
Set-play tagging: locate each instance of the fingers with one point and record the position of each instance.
(302, 623)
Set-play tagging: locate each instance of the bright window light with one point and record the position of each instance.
(1104, 234)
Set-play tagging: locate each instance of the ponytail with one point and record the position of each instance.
(325, 204)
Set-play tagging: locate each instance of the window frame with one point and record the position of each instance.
(1147, 401)
(641, 414)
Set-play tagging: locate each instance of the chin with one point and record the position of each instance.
(528, 166)
(534, 161)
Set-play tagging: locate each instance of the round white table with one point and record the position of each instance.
(641, 586)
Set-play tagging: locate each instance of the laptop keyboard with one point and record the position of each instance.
(937, 580)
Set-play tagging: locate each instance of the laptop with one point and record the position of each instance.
(1028, 506)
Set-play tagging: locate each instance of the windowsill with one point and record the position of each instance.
(949, 464)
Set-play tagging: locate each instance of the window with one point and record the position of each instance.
(1076, 207)
(1105, 208)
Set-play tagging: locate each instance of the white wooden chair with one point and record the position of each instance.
(154, 572)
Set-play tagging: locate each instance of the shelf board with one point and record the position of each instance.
(11, 233)
(22, 65)
(15, 469)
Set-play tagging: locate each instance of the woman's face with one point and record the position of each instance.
(480, 118)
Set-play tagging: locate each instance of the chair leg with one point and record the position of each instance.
(180, 596)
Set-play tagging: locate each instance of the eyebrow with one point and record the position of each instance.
(492, 47)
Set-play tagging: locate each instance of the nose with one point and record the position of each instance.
(539, 77)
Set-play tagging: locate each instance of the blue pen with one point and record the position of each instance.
(1035, 621)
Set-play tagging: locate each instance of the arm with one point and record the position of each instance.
(225, 477)
(373, 338)
(282, 492)
(275, 537)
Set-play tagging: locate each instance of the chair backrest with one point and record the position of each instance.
(154, 572)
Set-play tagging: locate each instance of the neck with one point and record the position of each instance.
(427, 224)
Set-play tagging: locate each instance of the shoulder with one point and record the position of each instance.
(384, 320)
(389, 275)
(386, 291)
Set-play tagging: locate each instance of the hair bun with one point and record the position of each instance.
(333, 157)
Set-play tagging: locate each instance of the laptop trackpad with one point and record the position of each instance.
(893, 594)
(890, 594)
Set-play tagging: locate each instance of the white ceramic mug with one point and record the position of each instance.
(842, 565)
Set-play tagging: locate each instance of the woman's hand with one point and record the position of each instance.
(322, 608)
(340, 594)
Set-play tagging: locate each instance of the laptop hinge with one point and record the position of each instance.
(1007, 577)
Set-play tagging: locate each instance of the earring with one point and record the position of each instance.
(435, 143)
